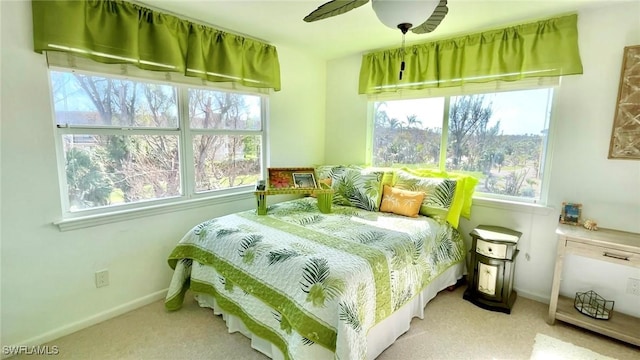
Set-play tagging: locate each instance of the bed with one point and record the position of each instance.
(303, 284)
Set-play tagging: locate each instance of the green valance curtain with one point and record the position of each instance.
(114, 31)
(544, 48)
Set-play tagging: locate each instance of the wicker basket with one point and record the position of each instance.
(593, 305)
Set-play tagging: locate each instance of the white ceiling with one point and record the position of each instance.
(280, 21)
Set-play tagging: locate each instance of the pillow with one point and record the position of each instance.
(357, 188)
(466, 184)
(401, 202)
(453, 216)
(327, 171)
(424, 172)
(469, 185)
(439, 195)
(387, 176)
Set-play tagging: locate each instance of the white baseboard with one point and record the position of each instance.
(533, 296)
(92, 320)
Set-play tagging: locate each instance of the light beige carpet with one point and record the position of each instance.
(550, 348)
(452, 329)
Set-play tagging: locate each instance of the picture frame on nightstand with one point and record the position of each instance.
(571, 213)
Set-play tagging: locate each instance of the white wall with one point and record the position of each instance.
(608, 189)
(47, 275)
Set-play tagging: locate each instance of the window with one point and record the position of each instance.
(499, 137)
(124, 143)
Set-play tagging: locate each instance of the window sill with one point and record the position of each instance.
(129, 214)
(529, 208)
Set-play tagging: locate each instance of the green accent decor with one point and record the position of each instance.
(374, 257)
(358, 188)
(464, 191)
(254, 326)
(116, 32)
(325, 199)
(312, 279)
(305, 323)
(538, 49)
(439, 193)
(324, 194)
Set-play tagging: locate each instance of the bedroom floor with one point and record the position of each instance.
(453, 329)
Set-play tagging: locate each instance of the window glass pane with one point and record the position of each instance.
(103, 170)
(407, 132)
(91, 100)
(121, 140)
(210, 109)
(500, 138)
(225, 161)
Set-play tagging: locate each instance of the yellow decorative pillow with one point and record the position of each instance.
(401, 202)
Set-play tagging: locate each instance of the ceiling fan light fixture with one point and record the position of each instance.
(404, 27)
(394, 13)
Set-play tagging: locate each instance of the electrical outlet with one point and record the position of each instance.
(102, 278)
(633, 286)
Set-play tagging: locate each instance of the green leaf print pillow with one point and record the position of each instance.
(329, 171)
(439, 193)
(357, 188)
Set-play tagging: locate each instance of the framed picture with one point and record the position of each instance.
(571, 213)
(304, 180)
(625, 135)
(291, 178)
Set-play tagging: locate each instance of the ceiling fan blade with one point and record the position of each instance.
(333, 8)
(434, 20)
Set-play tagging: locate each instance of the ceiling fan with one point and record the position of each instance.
(419, 16)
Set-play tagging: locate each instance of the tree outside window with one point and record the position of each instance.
(125, 141)
(499, 138)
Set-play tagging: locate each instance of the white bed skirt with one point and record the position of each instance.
(380, 337)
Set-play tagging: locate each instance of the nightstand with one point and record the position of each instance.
(492, 262)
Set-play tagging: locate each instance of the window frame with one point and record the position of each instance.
(477, 89)
(189, 197)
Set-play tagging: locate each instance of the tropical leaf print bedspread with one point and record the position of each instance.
(301, 279)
